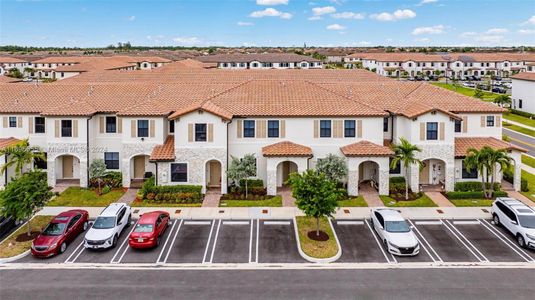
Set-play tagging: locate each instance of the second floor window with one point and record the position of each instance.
(490, 121)
(325, 128)
(519, 103)
(458, 125)
(111, 159)
(349, 128)
(12, 122)
(273, 129)
(385, 124)
(111, 124)
(39, 125)
(248, 128)
(66, 128)
(200, 132)
(142, 128)
(432, 131)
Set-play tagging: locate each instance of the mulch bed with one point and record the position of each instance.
(322, 237)
(412, 196)
(24, 236)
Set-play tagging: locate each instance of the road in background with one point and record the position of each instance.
(521, 140)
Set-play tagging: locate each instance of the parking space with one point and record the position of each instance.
(233, 242)
(358, 242)
(190, 242)
(276, 242)
(150, 255)
(102, 256)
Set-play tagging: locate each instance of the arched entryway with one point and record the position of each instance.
(433, 175)
(213, 175)
(368, 177)
(140, 169)
(67, 168)
(284, 169)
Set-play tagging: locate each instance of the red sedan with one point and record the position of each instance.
(62, 230)
(149, 230)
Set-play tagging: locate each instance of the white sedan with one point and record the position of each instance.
(395, 233)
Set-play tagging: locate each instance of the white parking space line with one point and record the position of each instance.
(208, 242)
(74, 252)
(420, 235)
(276, 222)
(235, 222)
(349, 222)
(167, 239)
(122, 244)
(474, 222)
(251, 242)
(172, 241)
(257, 234)
(215, 241)
(460, 237)
(380, 245)
(428, 222)
(197, 222)
(506, 241)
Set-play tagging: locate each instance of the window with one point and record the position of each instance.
(171, 126)
(40, 163)
(39, 125)
(66, 128)
(242, 65)
(248, 128)
(111, 124)
(255, 65)
(12, 122)
(458, 125)
(200, 132)
(179, 172)
(490, 121)
(397, 169)
(519, 103)
(349, 128)
(111, 159)
(432, 131)
(304, 65)
(285, 65)
(385, 124)
(142, 128)
(472, 174)
(325, 128)
(273, 129)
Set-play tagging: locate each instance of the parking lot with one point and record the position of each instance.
(253, 241)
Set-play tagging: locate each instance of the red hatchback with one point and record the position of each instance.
(149, 229)
(62, 230)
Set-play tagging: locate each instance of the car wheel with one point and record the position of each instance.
(158, 241)
(520, 241)
(63, 247)
(114, 243)
(85, 225)
(496, 220)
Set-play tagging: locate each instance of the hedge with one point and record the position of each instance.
(175, 193)
(522, 113)
(473, 186)
(252, 183)
(112, 179)
(473, 195)
(397, 179)
(397, 185)
(508, 176)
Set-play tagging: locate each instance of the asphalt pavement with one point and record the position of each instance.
(268, 284)
(521, 140)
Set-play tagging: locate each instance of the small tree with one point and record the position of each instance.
(502, 100)
(20, 155)
(334, 167)
(97, 170)
(24, 195)
(478, 93)
(315, 195)
(15, 73)
(242, 168)
(405, 153)
(485, 162)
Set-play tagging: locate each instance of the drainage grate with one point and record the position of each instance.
(264, 211)
(440, 211)
(484, 210)
(221, 211)
(346, 211)
(178, 211)
(136, 211)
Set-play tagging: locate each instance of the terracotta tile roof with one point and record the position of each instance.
(260, 57)
(446, 57)
(463, 144)
(11, 60)
(165, 152)
(529, 76)
(366, 148)
(6, 142)
(286, 148)
(7, 79)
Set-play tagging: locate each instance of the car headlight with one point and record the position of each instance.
(110, 240)
(393, 245)
(531, 237)
(53, 246)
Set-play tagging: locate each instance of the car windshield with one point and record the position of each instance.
(54, 229)
(397, 226)
(104, 223)
(527, 221)
(143, 228)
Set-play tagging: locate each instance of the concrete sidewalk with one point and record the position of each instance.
(288, 212)
(518, 124)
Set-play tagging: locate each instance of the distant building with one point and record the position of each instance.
(7, 63)
(262, 61)
(523, 91)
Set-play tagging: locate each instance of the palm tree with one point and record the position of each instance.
(502, 100)
(485, 162)
(20, 155)
(405, 153)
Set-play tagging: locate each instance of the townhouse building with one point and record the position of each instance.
(183, 125)
(523, 91)
(262, 61)
(8, 63)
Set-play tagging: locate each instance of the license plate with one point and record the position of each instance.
(140, 240)
(95, 247)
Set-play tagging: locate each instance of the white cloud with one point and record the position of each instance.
(270, 12)
(192, 40)
(526, 31)
(271, 2)
(423, 40)
(131, 18)
(349, 15)
(489, 39)
(530, 20)
(338, 2)
(497, 31)
(468, 34)
(315, 18)
(438, 29)
(318, 11)
(240, 23)
(397, 15)
(423, 2)
(336, 27)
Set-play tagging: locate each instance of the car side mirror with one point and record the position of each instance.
(514, 222)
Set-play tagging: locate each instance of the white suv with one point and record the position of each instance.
(108, 226)
(394, 231)
(516, 217)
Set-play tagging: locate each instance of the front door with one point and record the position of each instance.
(68, 166)
(424, 173)
(139, 167)
(215, 174)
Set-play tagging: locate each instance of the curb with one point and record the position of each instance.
(313, 259)
(13, 258)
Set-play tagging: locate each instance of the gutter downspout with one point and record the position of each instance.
(87, 148)
(156, 179)
(5, 173)
(227, 150)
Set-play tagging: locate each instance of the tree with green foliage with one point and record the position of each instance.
(23, 196)
(28, 71)
(334, 167)
(242, 168)
(485, 162)
(478, 93)
(405, 154)
(502, 100)
(15, 73)
(315, 195)
(97, 170)
(20, 155)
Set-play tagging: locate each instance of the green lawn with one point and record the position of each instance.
(487, 96)
(528, 160)
(519, 119)
(273, 202)
(36, 224)
(77, 196)
(146, 203)
(519, 129)
(353, 202)
(313, 248)
(531, 184)
(423, 201)
(472, 202)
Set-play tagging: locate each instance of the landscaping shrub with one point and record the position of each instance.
(111, 179)
(106, 190)
(242, 197)
(397, 185)
(473, 195)
(171, 193)
(473, 186)
(524, 185)
(508, 175)
(255, 182)
(523, 113)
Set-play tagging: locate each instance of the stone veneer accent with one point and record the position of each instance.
(78, 150)
(353, 179)
(444, 152)
(271, 169)
(128, 152)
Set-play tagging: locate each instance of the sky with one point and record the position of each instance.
(98, 23)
